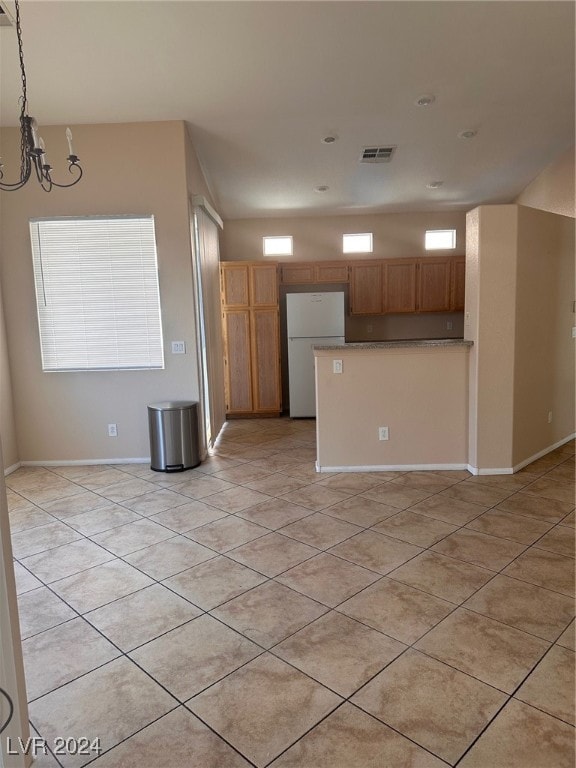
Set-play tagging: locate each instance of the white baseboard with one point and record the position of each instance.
(391, 468)
(490, 470)
(13, 468)
(544, 452)
(522, 464)
(82, 462)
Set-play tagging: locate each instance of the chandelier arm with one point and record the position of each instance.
(25, 173)
(72, 183)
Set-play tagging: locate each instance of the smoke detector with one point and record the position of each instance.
(375, 154)
(425, 100)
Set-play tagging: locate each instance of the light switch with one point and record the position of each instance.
(178, 347)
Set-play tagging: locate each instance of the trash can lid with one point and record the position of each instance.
(172, 405)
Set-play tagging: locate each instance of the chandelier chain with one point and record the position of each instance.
(24, 97)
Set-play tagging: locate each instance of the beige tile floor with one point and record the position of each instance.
(254, 613)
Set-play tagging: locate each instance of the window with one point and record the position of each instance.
(97, 293)
(361, 243)
(278, 246)
(440, 239)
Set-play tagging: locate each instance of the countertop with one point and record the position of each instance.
(401, 344)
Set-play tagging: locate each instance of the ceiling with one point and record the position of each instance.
(261, 83)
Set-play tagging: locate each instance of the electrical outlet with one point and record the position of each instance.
(574, 332)
(369, 328)
(549, 417)
(383, 433)
(336, 366)
(178, 347)
(449, 325)
(112, 430)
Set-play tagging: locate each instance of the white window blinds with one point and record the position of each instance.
(97, 293)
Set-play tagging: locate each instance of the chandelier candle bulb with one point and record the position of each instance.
(69, 138)
(34, 130)
(42, 147)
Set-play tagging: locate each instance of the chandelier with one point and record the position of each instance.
(32, 150)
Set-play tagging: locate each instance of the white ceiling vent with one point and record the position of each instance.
(377, 154)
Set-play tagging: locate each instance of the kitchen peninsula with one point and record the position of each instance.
(417, 389)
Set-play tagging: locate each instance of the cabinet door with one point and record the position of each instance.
(264, 285)
(400, 286)
(297, 273)
(266, 360)
(434, 285)
(234, 280)
(237, 361)
(331, 272)
(366, 289)
(458, 283)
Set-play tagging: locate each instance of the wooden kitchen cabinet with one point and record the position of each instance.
(457, 283)
(237, 361)
(400, 285)
(248, 284)
(265, 337)
(235, 285)
(366, 288)
(331, 272)
(302, 273)
(251, 331)
(433, 285)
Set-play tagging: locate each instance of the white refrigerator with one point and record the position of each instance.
(312, 318)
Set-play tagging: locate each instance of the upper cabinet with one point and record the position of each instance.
(434, 285)
(251, 284)
(301, 273)
(457, 283)
(393, 286)
(235, 285)
(400, 285)
(366, 288)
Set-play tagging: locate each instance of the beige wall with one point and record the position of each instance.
(544, 347)
(519, 293)
(396, 235)
(7, 426)
(129, 168)
(553, 189)
(490, 316)
(421, 394)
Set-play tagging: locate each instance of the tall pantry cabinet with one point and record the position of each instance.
(251, 329)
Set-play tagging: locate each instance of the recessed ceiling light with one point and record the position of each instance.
(329, 139)
(434, 184)
(425, 101)
(467, 134)
(321, 188)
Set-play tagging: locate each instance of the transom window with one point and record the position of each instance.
(357, 243)
(440, 239)
(278, 246)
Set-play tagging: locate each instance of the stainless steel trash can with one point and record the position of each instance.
(173, 436)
